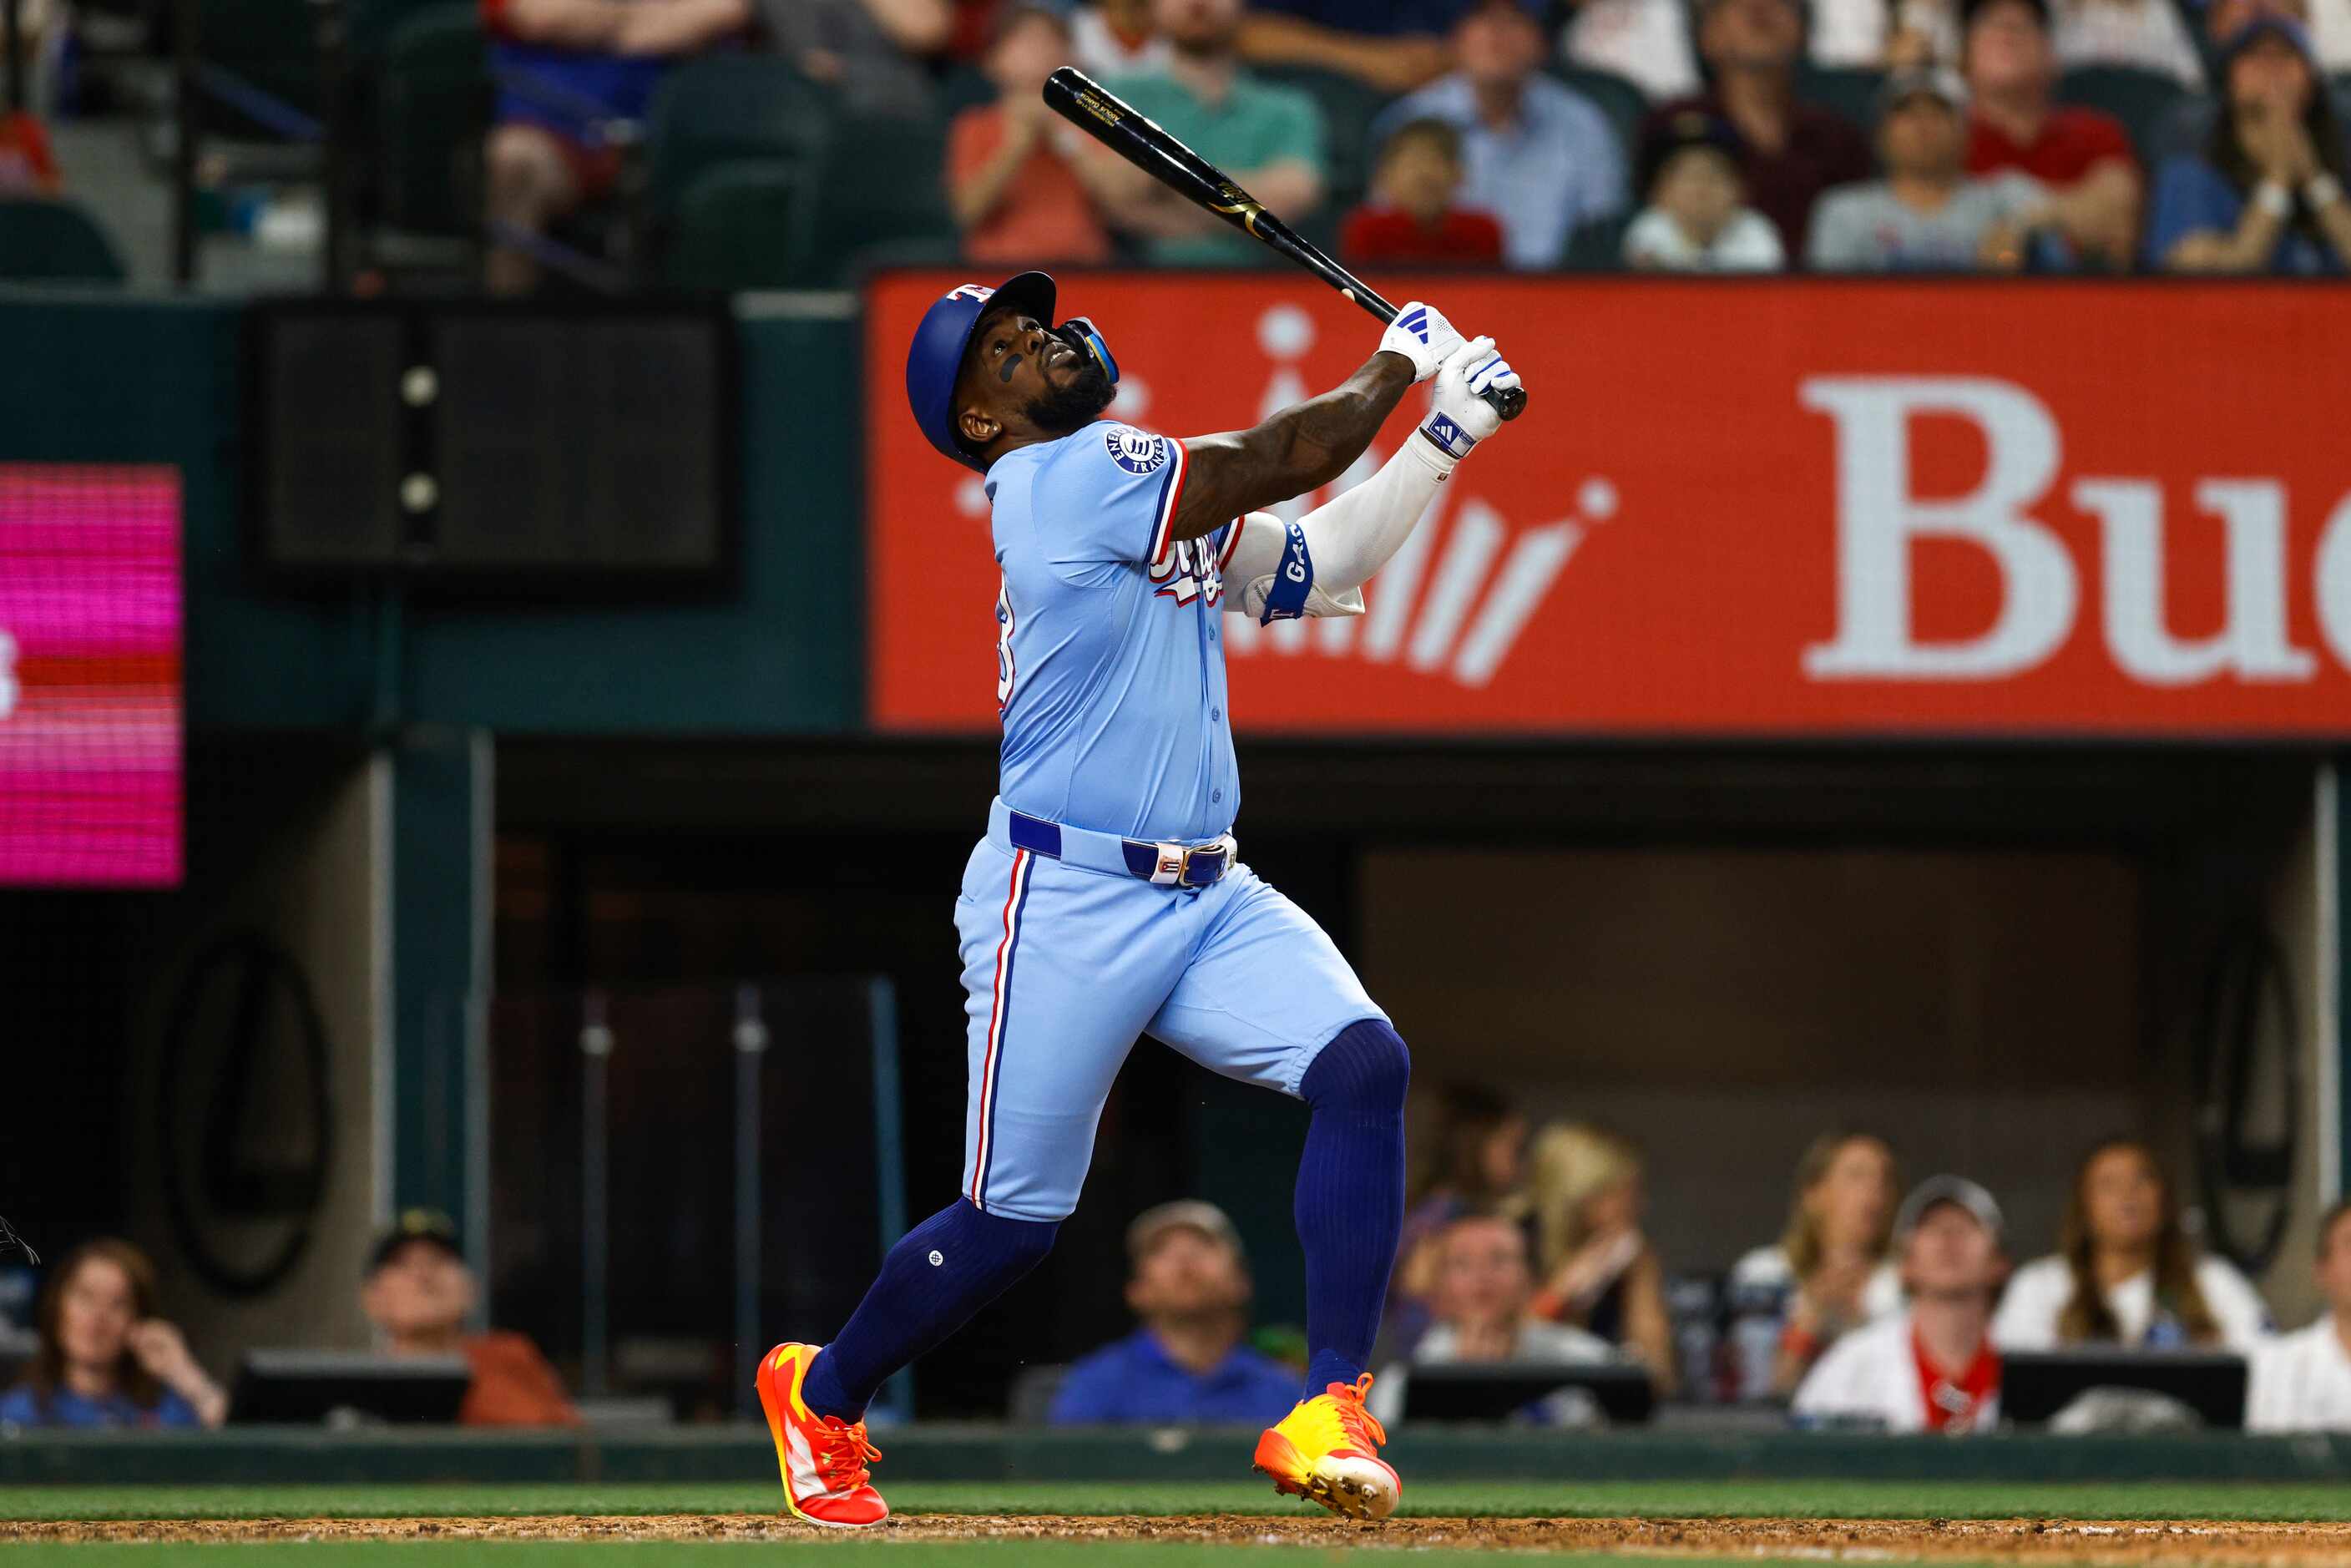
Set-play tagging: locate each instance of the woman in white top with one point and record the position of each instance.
(2124, 1273)
(1833, 1262)
(2302, 1381)
(1484, 1287)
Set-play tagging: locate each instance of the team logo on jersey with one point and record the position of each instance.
(1189, 571)
(1133, 450)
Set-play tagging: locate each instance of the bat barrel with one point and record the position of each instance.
(1109, 120)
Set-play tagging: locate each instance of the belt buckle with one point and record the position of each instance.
(1173, 867)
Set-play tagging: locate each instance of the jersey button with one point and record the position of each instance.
(1215, 797)
(1215, 713)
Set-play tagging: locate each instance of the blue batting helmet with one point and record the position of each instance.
(936, 357)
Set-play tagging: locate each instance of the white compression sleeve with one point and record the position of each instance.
(1348, 539)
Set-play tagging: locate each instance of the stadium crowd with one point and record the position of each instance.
(1691, 135)
(1747, 135)
(1873, 1309)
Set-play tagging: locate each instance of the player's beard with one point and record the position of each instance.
(1072, 405)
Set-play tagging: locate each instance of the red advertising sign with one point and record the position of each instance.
(1787, 507)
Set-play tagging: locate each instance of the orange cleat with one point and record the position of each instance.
(822, 1457)
(1328, 1450)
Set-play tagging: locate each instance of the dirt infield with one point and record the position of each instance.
(2173, 1544)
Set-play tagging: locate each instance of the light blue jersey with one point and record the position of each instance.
(1111, 678)
(1110, 661)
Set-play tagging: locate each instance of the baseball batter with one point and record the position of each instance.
(1108, 899)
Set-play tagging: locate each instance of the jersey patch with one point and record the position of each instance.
(1134, 450)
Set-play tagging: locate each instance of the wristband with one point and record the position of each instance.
(2273, 198)
(2321, 189)
(1446, 436)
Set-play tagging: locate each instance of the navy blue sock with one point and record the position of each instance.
(1351, 1194)
(941, 1272)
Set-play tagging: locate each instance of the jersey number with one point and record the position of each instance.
(1003, 645)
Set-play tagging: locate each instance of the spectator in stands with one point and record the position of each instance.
(1116, 38)
(1931, 1368)
(27, 166)
(1879, 34)
(2302, 1382)
(1393, 45)
(1269, 138)
(568, 72)
(1540, 156)
(2187, 127)
(873, 53)
(104, 1358)
(1471, 1164)
(1482, 1311)
(1189, 1285)
(1926, 33)
(1830, 1268)
(1926, 214)
(2147, 34)
(1022, 187)
(2124, 1273)
(1599, 1272)
(2267, 193)
(1647, 42)
(1794, 150)
(1412, 216)
(1698, 219)
(970, 25)
(417, 1291)
(2081, 158)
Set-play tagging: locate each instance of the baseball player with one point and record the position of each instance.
(1108, 899)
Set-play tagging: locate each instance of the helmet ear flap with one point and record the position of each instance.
(1080, 334)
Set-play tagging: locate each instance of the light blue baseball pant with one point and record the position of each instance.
(1064, 967)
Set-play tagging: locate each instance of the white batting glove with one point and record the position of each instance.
(1458, 416)
(1421, 333)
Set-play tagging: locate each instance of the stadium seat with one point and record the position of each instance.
(741, 224)
(962, 88)
(1850, 90)
(1348, 110)
(2142, 100)
(368, 24)
(431, 105)
(880, 188)
(47, 241)
(1624, 104)
(719, 107)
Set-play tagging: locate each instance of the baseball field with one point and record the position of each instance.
(980, 1524)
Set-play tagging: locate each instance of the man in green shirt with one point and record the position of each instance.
(1268, 138)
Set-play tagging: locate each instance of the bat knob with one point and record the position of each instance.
(1507, 402)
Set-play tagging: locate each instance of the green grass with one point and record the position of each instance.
(1675, 1499)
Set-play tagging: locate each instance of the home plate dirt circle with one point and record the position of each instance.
(2173, 1543)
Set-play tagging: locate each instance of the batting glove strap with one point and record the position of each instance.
(1421, 333)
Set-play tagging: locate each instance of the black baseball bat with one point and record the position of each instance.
(1117, 125)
